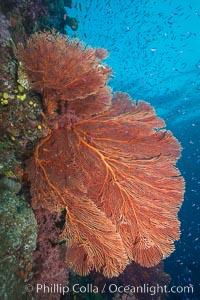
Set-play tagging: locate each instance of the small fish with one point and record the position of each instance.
(178, 8)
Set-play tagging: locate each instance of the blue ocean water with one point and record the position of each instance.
(155, 54)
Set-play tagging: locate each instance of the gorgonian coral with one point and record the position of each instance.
(64, 71)
(108, 164)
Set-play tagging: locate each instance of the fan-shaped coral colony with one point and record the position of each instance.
(106, 160)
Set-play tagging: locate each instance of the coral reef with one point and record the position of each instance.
(18, 234)
(4, 25)
(58, 15)
(135, 282)
(26, 16)
(110, 165)
(135, 276)
(49, 265)
(21, 128)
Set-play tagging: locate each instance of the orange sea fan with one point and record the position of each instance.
(63, 69)
(115, 175)
(111, 166)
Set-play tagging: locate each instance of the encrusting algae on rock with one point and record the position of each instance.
(18, 234)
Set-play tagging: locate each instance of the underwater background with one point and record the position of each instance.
(154, 52)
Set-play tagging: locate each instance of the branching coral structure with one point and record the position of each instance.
(109, 164)
(65, 71)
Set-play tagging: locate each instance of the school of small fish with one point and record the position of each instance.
(154, 51)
